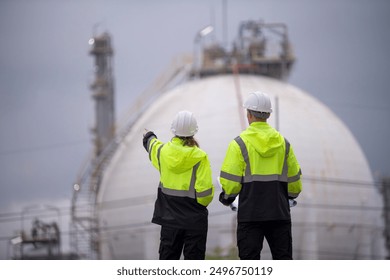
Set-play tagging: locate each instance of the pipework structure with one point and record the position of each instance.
(260, 49)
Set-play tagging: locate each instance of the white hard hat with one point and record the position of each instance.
(184, 124)
(259, 102)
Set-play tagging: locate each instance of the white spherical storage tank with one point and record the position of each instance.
(339, 212)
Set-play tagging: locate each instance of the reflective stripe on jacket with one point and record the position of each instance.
(185, 187)
(260, 165)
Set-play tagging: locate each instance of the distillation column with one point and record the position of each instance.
(103, 91)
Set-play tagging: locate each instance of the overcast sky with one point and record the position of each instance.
(46, 109)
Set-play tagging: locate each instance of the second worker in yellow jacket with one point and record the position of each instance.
(260, 166)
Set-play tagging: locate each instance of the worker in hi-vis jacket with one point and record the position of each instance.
(184, 192)
(260, 168)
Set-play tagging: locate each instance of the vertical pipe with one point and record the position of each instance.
(224, 23)
(236, 77)
(212, 21)
(276, 113)
(386, 210)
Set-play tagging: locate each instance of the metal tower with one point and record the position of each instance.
(103, 91)
(85, 237)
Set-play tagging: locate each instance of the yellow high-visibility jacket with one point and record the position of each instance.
(185, 188)
(260, 166)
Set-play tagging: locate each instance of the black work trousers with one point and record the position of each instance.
(250, 238)
(174, 241)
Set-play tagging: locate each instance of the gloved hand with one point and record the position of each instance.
(146, 137)
(225, 201)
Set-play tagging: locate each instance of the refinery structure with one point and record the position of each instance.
(340, 213)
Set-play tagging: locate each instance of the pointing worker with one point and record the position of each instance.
(260, 166)
(184, 192)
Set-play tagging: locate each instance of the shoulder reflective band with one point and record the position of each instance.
(244, 153)
(248, 177)
(151, 148)
(158, 157)
(191, 193)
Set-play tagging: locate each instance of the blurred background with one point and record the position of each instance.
(46, 109)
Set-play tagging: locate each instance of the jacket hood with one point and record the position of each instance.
(263, 138)
(179, 158)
